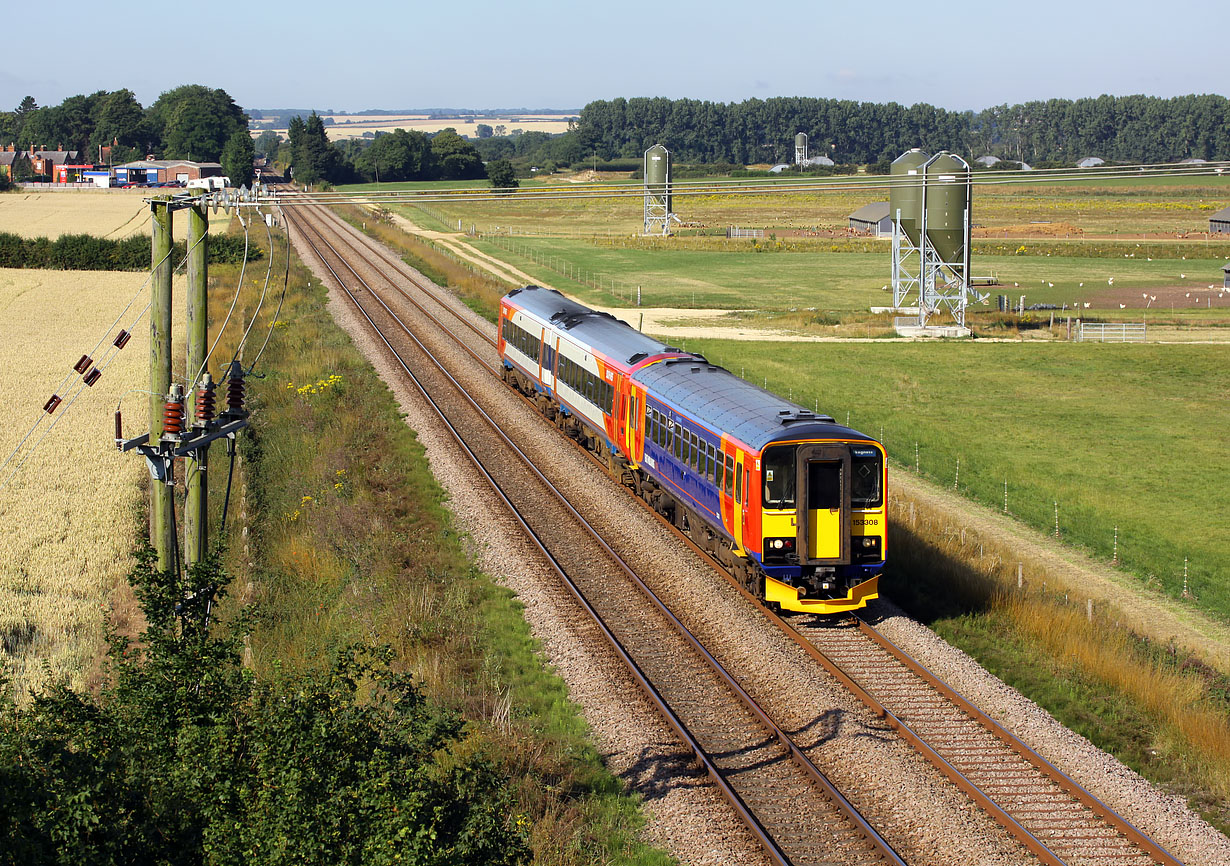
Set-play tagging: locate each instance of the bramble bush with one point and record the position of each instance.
(185, 757)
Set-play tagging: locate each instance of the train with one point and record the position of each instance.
(793, 504)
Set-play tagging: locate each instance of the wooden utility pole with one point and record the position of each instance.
(196, 507)
(162, 503)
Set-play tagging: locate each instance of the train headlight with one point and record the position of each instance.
(778, 544)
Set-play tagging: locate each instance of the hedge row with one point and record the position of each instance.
(89, 253)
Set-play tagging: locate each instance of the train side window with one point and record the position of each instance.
(709, 471)
(721, 473)
(679, 437)
(730, 474)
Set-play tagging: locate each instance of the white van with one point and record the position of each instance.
(215, 182)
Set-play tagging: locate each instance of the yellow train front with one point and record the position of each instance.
(792, 502)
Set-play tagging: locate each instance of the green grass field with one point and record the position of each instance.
(1126, 436)
(846, 281)
(1122, 208)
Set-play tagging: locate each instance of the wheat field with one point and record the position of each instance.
(71, 512)
(109, 213)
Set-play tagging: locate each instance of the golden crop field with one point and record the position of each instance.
(355, 125)
(108, 213)
(71, 512)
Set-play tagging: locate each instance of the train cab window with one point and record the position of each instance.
(865, 472)
(778, 467)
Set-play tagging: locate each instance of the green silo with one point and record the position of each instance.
(906, 195)
(658, 176)
(947, 199)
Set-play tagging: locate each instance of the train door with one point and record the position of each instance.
(542, 351)
(740, 505)
(824, 508)
(633, 422)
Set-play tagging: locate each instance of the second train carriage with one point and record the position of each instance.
(793, 503)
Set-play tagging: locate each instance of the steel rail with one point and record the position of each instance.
(328, 215)
(799, 758)
(1065, 782)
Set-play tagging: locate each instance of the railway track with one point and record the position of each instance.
(1056, 819)
(792, 809)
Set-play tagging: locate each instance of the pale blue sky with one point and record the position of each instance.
(541, 54)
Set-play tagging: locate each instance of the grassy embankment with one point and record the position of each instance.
(346, 539)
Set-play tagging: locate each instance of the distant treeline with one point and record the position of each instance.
(89, 253)
(724, 137)
(1115, 128)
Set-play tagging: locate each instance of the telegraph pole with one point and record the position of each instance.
(162, 503)
(196, 507)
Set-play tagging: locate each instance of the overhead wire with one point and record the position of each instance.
(264, 289)
(243, 268)
(285, 284)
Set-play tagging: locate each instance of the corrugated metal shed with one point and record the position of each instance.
(873, 217)
(1220, 221)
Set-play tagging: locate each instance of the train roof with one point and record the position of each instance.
(609, 336)
(721, 400)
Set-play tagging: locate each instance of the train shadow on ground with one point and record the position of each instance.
(930, 583)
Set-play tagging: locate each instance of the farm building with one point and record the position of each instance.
(987, 160)
(873, 219)
(44, 162)
(1225, 276)
(165, 171)
(1090, 162)
(1220, 221)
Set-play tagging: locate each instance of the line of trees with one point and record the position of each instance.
(1116, 128)
(189, 122)
(401, 155)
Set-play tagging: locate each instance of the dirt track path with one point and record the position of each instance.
(1145, 611)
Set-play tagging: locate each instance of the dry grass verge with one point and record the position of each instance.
(1148, 700)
